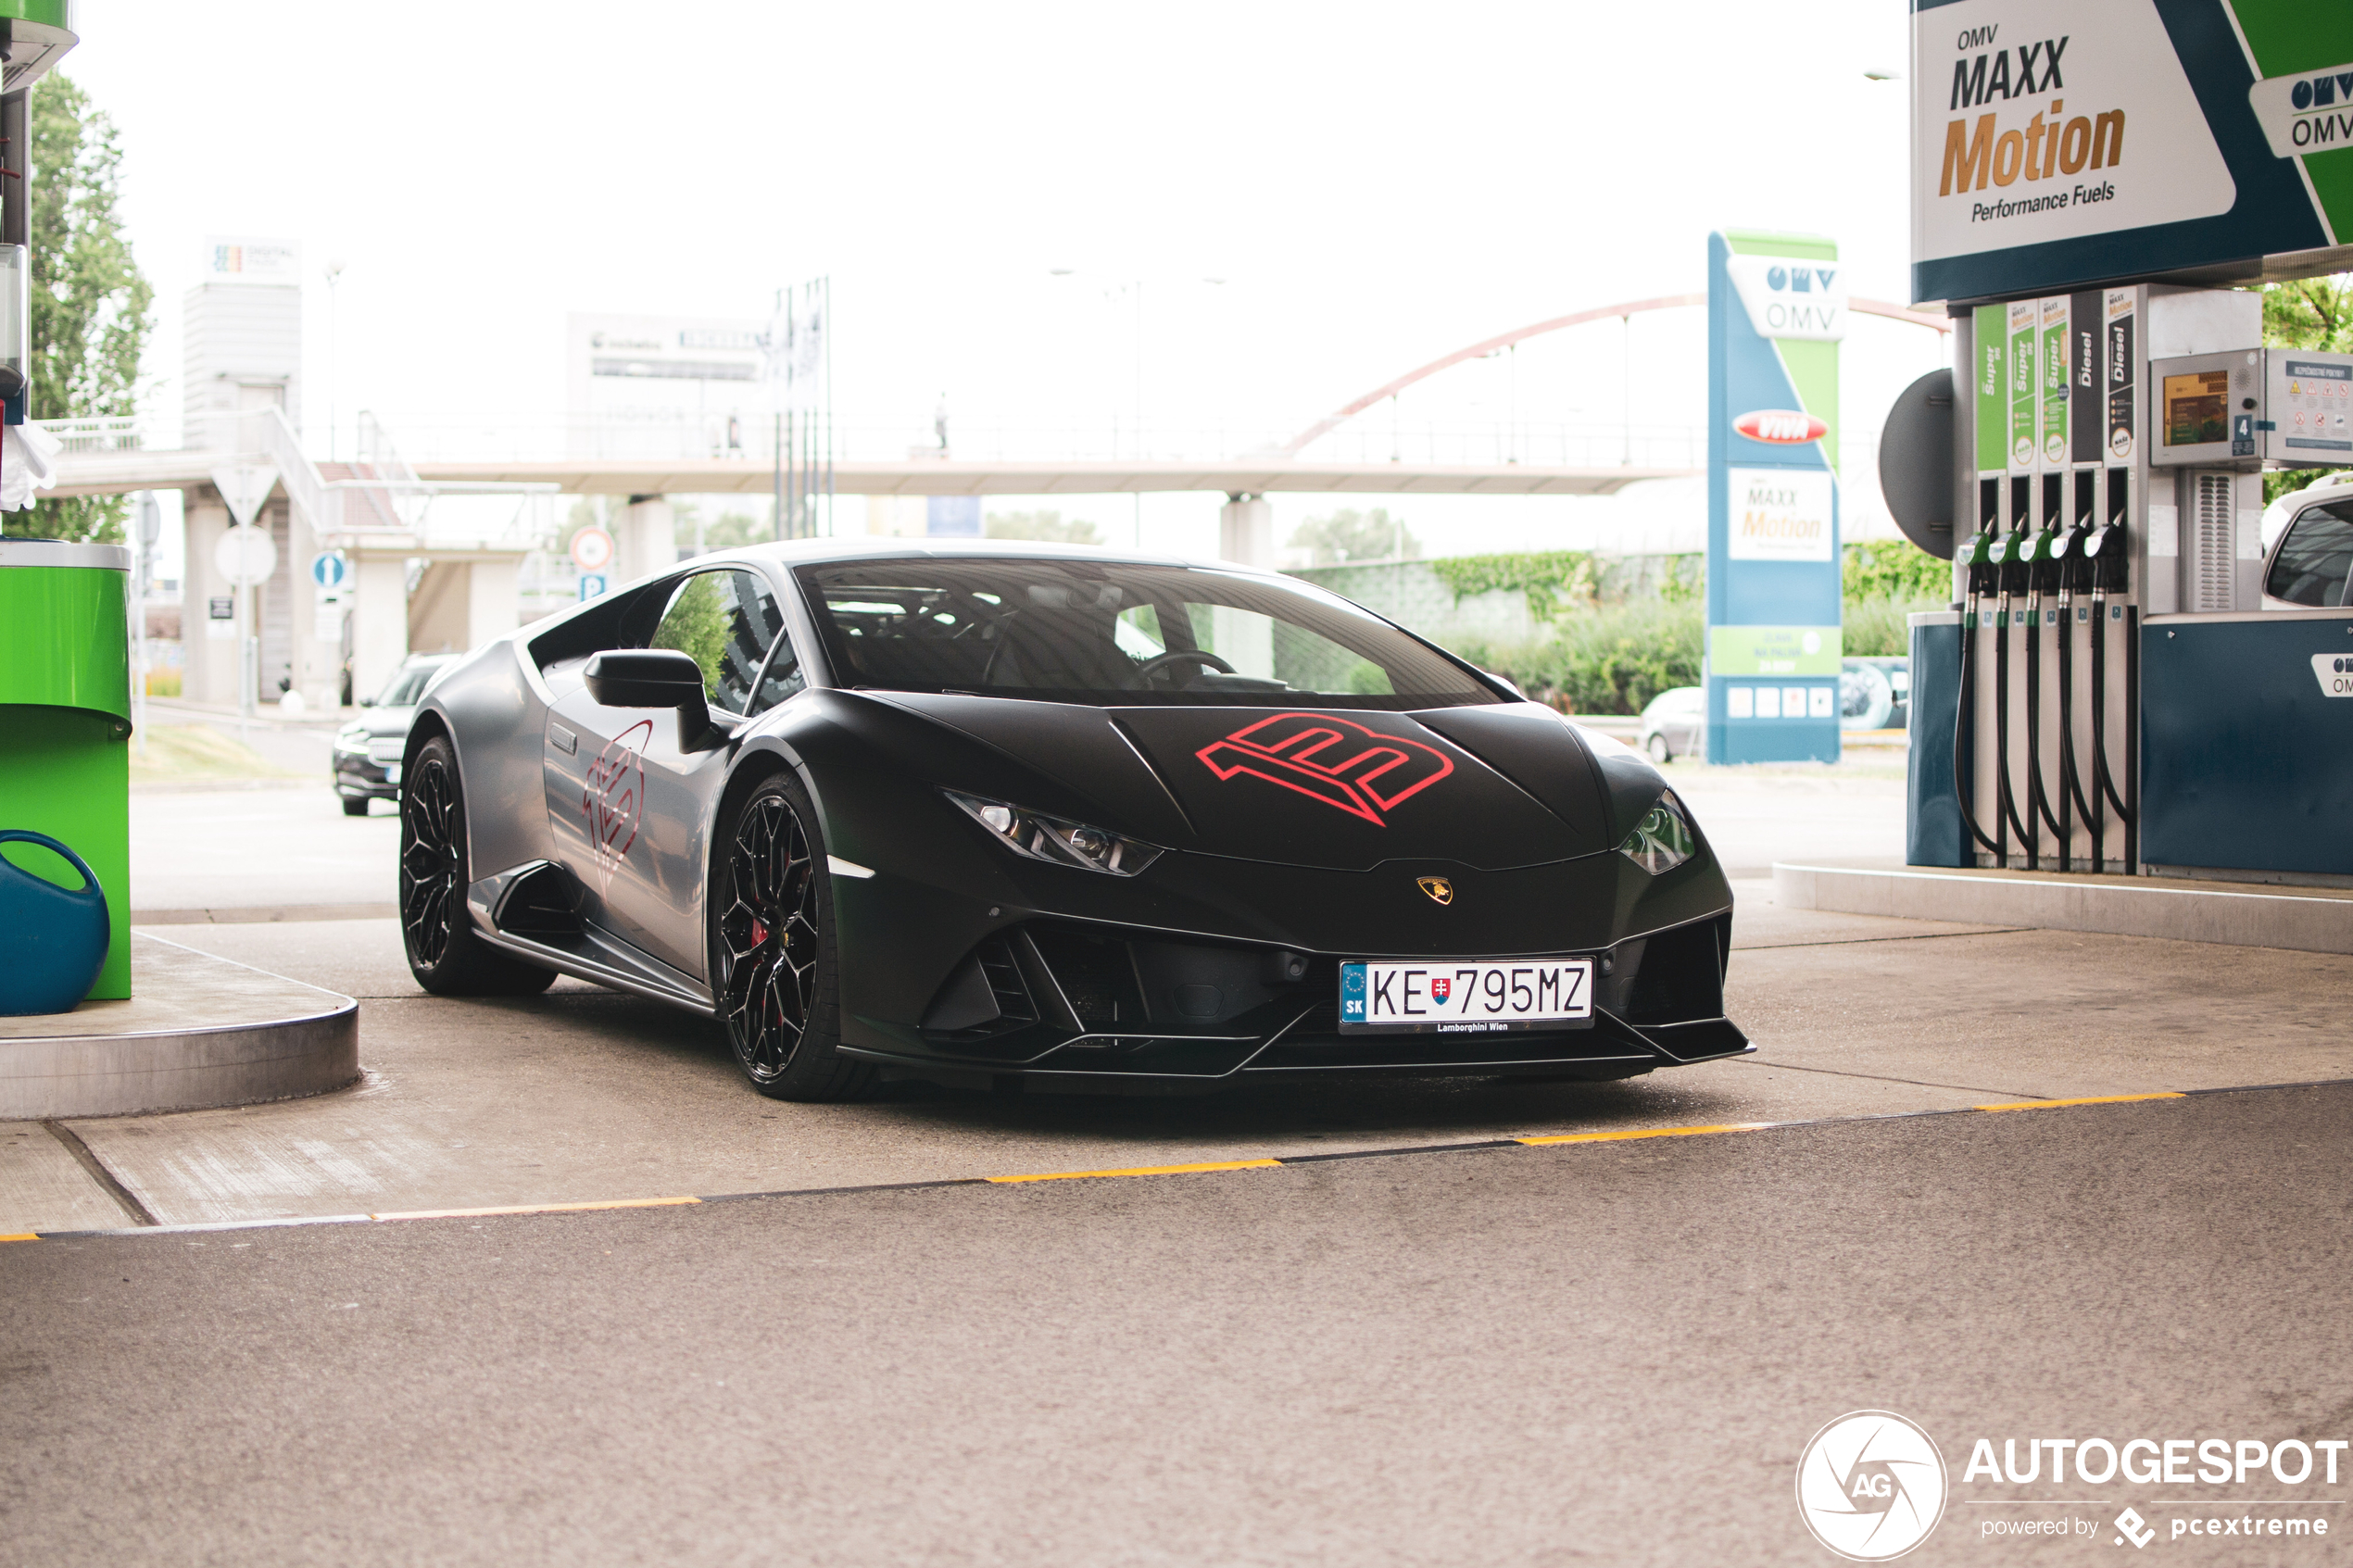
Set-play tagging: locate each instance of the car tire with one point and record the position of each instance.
(446, 953)
(774, 965)
(354, 805)
(1656, 746)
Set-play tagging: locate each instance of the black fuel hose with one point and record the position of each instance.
(2002, 794)
(1961, 713)
(2099, 713)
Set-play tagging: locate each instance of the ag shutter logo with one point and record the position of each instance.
(1870, 1485)
(1780, 427)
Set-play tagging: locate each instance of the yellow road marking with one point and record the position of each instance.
(1644, 1132)
(2087, 1099)
(535, 1209)
(27, 1237)
(1147, 1170)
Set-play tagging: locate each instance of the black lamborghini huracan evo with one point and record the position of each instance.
(1028, 816)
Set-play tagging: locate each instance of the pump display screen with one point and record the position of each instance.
(2197, 409)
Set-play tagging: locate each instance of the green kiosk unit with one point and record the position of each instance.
(64, 669)
(64, 722)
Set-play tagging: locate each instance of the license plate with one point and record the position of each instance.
(1438, 997)
(392, 773)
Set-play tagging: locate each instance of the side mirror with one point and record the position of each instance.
(653, 678)
(367, 702)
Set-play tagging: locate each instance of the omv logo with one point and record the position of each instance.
(2319, 91)
(1780, 427)
(1801, 279)
(1786, 297)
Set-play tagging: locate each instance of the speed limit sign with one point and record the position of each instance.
(592, 549)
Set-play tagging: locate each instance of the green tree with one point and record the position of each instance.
(1893, 569)
(1554, 581)
(1047, 526)
(90, 302)
(2308, 313)
(1348, 535)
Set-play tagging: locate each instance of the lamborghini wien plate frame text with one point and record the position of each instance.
(1465, 996)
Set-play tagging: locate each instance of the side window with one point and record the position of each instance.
(2314, 559)
(784, 677)
(724, 621)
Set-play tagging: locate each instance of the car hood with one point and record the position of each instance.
(1491, 787)
(381, 722)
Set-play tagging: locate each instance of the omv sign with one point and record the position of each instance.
(1787, 296)
(1780, 427)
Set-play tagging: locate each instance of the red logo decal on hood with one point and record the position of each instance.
(1337, 761)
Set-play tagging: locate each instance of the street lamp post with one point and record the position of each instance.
(333, 270)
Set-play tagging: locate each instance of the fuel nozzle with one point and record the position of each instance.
(2105, 553)
(2108, 547)
(2075, 565)
(2042, 550)
(1977, 555)
(2011, 569)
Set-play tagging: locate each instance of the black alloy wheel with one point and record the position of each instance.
(772, 950)
(446, 954)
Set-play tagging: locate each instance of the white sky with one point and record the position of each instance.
(1378, 185)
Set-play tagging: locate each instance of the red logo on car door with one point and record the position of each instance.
(1337, 761)
(612, 795)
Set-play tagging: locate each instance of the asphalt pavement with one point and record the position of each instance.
(1611, 1353)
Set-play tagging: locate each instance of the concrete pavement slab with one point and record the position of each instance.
(2051, 1013)
(582, 1095)
(267, 845)
(1760, 919)
(1754, 816)
(43, 1187)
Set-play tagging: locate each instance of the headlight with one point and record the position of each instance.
(1056, 841)
(1663, 839)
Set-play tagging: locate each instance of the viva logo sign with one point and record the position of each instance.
(1780, 427)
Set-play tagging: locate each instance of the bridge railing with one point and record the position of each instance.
(125, 434)
(753, 440)
(383, 495)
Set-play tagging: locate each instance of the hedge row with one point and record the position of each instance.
(1613, 659)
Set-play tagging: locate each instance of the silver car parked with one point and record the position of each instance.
(1675, 724)
(367, 757)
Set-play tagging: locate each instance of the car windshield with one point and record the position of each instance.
(408, 685)
(1115, 634)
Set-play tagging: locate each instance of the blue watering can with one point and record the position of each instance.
(53, 940)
